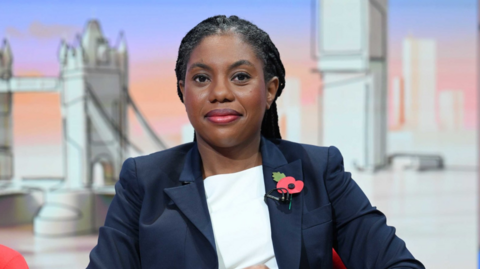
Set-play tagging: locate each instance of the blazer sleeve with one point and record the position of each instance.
(118, 239)
(363, 239)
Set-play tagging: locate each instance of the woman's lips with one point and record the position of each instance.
(222, 116)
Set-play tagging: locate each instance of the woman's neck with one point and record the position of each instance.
(229, 160)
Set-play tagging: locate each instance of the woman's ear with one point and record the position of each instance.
(272, 88)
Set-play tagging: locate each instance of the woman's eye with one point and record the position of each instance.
(241, 77)
(201, 79)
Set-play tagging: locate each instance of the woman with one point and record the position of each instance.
(239, 196)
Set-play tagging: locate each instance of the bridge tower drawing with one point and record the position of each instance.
(94, 105)
(93, 88)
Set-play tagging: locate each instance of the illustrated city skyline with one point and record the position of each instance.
(153, 37)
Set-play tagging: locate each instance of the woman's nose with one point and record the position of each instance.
(221, 92)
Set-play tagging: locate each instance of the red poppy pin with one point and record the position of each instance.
(287, 183)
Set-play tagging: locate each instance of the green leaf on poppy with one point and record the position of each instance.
(277, 176)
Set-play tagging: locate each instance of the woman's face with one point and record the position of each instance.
(224, 91)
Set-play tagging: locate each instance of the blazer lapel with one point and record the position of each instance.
(285, 224)
(190, 198)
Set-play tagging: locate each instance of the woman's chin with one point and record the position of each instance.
(225, 139)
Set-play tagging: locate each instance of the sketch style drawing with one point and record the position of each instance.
(93, 88)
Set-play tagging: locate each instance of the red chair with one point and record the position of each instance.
(11, 259)
(337, 262)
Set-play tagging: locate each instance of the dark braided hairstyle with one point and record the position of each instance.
(262, 45)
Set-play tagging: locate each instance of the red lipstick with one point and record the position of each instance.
(222, 116)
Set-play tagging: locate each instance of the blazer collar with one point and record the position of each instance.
(285, 224)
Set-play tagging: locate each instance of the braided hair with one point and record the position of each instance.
(262, 45)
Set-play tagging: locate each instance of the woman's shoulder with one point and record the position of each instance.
(300, 149)
(163, 160)
(172, 152)
(315, 157)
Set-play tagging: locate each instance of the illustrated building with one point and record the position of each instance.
(451, 105)
(94, 105)
(6, 128)
(419, 73)
(398, 102)
(290, 110)
(351, 49)
(93, 88)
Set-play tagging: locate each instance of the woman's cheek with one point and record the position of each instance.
(257, 102)
(192, 108)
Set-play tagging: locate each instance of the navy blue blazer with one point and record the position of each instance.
(159, 216)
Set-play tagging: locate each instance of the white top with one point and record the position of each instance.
(240, 220)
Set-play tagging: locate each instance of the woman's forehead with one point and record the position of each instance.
(224, 49)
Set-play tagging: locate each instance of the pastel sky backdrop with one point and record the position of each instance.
(154, 29)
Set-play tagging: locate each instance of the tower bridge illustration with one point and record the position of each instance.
(94, 94)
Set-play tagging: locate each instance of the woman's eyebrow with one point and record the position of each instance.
(232, 66)
(200, 65)
(239, 63)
